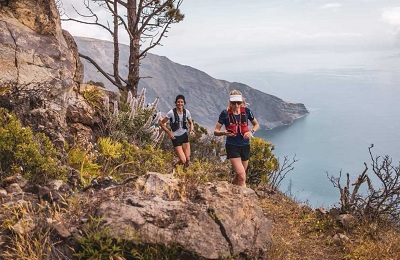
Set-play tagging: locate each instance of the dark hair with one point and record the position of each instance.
(180, 97)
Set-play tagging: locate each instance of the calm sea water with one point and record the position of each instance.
(350, 109)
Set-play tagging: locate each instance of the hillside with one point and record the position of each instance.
(205, 95)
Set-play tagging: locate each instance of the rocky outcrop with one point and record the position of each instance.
(33, 45)
(40, 70)
(221, 221)
(206, 96)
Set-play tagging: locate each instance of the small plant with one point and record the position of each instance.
(97, 244)
(134, 121)
(94, 97)
(320, 224)
(161, 252)
(384, 244)
(22, 151)
(109, 151)
(28, 232)
(199, 172)
(83, 161)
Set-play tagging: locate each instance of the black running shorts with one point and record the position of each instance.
(233, 151)
(179, 140)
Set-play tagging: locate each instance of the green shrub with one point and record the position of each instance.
(22, 151)
(148, 158)
(110, 151)
(83, 161)
(94, 97)
(95, 243)
(205, 147)
(119, 159)
(262, 162)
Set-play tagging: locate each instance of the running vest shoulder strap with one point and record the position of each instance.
(235, 125)
(243, 115)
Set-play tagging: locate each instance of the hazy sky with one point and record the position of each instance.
(217, 32)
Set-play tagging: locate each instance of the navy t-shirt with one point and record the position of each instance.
(237, 140)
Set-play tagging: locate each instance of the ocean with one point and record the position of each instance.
(353, 103)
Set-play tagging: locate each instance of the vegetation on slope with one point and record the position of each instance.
(299, 232)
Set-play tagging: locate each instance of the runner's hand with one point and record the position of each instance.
(248, 135)
(229, 133)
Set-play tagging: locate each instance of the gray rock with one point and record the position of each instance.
(24, 225)
(3, 193)
(16, 178)
(346, 220)
(61, 230)
(14, 188)
(55, 184)
(222, 221)
(340, 239)
(41, 60)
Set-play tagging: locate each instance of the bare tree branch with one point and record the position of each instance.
(101, 70)
(146, 22)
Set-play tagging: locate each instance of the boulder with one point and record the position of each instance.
(221, 221)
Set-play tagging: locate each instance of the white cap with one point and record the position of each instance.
(235, 98)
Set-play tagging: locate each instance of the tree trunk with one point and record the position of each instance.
(134, 49)
(116, 46)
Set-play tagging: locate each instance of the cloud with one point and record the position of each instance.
(391, 16)
(331, 6)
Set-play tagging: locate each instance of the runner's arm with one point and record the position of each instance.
(162, 122)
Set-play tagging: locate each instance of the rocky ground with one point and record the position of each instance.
(210, 223)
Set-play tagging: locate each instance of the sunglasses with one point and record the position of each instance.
(236, 102)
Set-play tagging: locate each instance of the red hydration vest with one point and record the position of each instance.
(233, 123)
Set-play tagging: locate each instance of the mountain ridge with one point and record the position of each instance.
(206, 96)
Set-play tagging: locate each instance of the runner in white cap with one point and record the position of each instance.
(235, 119)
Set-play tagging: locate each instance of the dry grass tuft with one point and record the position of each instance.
(299, 232)
(28, 231)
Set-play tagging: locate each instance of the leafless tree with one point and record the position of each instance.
(146, 22)
(374, 204)
(278, 175)
(274, 177)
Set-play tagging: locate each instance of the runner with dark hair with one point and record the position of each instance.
(181, 125)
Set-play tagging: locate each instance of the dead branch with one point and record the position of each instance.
(374, 204)
(277, 176)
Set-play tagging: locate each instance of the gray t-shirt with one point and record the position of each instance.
(180, 130)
